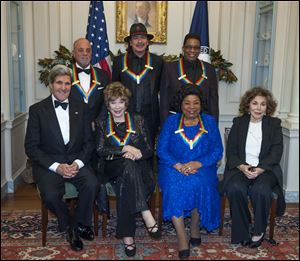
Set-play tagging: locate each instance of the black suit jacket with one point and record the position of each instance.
(170, 85)
(270, 153)
(152, 81)
(96, 99)
(44, 143)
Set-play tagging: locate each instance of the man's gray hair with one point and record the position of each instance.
(59, 70)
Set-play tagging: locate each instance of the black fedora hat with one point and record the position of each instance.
(138, 29)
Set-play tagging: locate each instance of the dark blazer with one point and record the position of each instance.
(170, 85)
(152, 81)
(44, 143)
(270, 153)
(96, 99)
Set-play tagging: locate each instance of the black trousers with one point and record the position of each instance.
(132, 191)
(260, 192)
(52, 189)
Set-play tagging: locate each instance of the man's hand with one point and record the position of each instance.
(67, 171)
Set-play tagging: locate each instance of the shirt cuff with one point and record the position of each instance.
(79, 163)
(54, 166)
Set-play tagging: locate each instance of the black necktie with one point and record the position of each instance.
(64, 105)
(79, 70)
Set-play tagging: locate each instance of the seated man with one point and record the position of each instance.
(59, 143)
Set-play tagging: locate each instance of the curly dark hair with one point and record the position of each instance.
(251, 94)
(185, 90)
(114, 91)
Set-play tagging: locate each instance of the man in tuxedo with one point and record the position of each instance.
(189, 70)
(88, 82)
(59, 143)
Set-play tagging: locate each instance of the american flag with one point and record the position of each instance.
(97, 35)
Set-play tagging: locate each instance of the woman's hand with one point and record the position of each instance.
(250, 172)
(128, 155)
(136, 153)
(188, 168)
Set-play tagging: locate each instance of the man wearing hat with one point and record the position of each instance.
(139, 70)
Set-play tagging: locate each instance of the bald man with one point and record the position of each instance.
(88, 82)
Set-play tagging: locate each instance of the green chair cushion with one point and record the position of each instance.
(70, 191)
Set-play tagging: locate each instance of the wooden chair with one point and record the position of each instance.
(71, 195)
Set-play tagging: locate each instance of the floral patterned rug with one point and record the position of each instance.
(21, 239)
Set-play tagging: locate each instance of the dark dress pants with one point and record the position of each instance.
(131, 193)
(260, 192)
(52, 189)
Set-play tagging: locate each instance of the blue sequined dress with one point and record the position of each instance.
(181, 193)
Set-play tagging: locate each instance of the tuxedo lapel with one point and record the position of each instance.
(73, 117)
(52, 121)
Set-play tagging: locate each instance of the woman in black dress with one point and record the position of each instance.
(124, 145)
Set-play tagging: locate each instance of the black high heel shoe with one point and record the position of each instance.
(195, 241)
(254, 244)
(154, 234)
(130, 252)
(184, 254)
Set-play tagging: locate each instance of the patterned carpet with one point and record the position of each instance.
(21, 239)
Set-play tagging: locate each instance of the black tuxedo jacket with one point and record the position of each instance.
(96, 99)
(170, 85)
(270, 153)
(44, 143)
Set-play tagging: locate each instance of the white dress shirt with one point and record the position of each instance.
(64, 125)
(85, 80)
(253, 143)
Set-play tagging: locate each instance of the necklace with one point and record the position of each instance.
(112, 133)
(190, 142)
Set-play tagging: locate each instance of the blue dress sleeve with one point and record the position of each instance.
(163, 147)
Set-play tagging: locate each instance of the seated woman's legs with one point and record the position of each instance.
(183, 242)
(240, 215)
(195, 224)
(261, 198)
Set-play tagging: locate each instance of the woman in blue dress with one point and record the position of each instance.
(189, 148)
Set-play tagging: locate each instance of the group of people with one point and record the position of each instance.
(90, 131)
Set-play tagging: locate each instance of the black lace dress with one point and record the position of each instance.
(134, 180)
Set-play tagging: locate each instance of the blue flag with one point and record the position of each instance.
(97, 36)
(200, 26)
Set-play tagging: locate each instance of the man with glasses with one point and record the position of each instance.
(189, 70)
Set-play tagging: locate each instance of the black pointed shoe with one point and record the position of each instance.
(130, 252)
(254, 244)
(184, 254)
(74, 240)
(85, 232)
(194, 241)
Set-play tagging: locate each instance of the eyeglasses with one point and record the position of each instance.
(190, 47)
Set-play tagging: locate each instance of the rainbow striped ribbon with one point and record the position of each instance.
(185, 79)
(190, 142)
(137, 77)
(76, 83)
(112, 133)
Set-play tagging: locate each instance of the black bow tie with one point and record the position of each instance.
(87, 71)
(64, 105)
